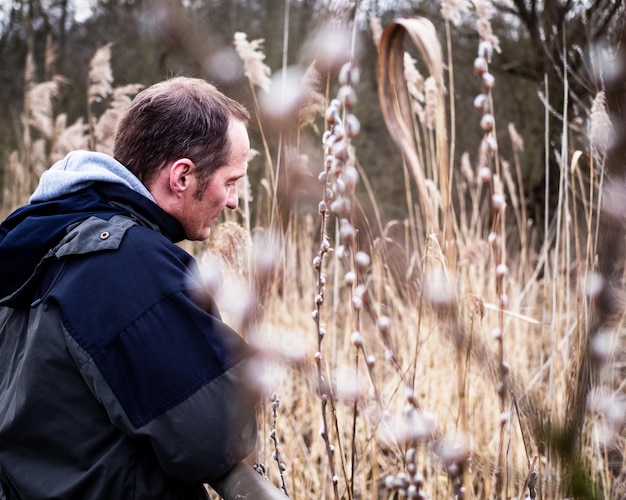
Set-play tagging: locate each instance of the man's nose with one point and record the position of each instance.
(233, 198)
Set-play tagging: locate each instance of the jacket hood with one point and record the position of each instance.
(80, 169)
(29, 233)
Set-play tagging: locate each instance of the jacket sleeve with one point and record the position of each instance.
(243, 483)
(198, 413)
(166, 370)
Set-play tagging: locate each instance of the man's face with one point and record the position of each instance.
(199, 211)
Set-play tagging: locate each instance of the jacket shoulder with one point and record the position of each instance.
(93, 235)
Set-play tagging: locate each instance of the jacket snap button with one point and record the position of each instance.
(104, 235)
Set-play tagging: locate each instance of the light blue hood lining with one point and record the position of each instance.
(78, 170)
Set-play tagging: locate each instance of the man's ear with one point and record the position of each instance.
(181, 175)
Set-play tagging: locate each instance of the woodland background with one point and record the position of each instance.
(541, 44)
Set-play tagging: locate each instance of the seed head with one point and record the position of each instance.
(497, 202)
(504, 300)
(440, 288)
(340, 206)
(594, 285)
(340, 150)
(480, 103)
(341, 185)
(347, 96)
(484, 174)
(251, 52)
(339, 131)
(350, 177)
(384, 323)
(349, 278)
(362, 260)
(480, 65)
(402, 480)
(603, 344)
(485, 50)
(389, 482)
(353, 126)
(349, 75)
(336, 165)
(487, 122)
(488, 81)
(357, 339)
(347, 233)
(490, 144)
(502, 270)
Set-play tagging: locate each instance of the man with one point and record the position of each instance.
(114, 382)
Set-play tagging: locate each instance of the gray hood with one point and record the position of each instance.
(78, 170)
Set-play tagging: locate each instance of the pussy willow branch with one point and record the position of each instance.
(483, 103)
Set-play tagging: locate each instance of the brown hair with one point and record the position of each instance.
(178, 118)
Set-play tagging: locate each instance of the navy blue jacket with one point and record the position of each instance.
(115, 381)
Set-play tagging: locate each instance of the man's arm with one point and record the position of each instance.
(243, 483)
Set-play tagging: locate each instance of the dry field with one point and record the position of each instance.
(462, 352)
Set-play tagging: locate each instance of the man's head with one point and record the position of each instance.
(188, 143)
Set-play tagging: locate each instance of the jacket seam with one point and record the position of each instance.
(168, 294)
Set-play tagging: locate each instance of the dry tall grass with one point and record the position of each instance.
(489, 377)
(448, 355)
